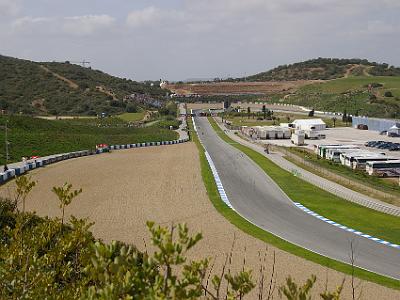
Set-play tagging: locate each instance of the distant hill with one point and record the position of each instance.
(325, 69)
(64, 88)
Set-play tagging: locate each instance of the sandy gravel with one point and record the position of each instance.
(123, 189)
(234, 88)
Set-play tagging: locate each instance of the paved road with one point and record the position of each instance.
(322, 183)
(257, 198)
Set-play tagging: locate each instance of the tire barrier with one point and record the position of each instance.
(41, 162)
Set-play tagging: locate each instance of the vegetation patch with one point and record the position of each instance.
(132, 117)
(361, 95)
(37, 137)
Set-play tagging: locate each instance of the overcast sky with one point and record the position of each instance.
(180, 39)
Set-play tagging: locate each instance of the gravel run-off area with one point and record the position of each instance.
(124, 189)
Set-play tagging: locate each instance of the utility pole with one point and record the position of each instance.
(6, 143)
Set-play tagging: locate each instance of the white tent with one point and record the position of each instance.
(309, 124)
(395, 129)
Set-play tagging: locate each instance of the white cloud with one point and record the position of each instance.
(153, 16)
(86, 25)
(28, 21)
(76, 25)
(143, 17)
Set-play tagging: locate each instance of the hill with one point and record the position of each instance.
(64, 88)
(325, 69)
(374, 96)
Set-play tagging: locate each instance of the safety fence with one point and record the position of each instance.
(22, 168)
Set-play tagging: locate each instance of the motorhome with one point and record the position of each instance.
(383, 168)
(333, 152)
(347, 159)
(359, 163)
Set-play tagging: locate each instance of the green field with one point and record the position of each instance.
(269, 238)
(369, 221)
(351, 94)
(343, 85)
(132, 117)
(32, 136)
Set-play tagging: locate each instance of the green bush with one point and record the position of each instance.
(388, 94)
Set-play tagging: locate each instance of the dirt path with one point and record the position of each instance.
(235, 88)
(104, 90)
(349, 70)
(124, 189)
(66, 80)
(366, 71)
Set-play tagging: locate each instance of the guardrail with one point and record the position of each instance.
(42, 162)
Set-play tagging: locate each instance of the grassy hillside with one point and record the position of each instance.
(325, 69)
(32, 136)
(64, 88)
(353, 95)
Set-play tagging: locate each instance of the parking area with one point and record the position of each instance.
(345, 136)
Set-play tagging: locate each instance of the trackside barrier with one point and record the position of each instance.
(20, 170)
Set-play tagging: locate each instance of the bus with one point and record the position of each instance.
(389, 168)
(334, 153)
(359, 163)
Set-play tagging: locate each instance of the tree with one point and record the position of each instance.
(294, 292)
(131, 108)
(65, 195)
(24, 185)
(248, 112)
(334, 121)
(264, 110)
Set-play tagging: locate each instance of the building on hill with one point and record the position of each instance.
(309, 124)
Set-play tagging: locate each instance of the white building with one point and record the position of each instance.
(309, 124)
(394, 129)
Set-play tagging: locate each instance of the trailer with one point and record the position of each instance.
(298, 138)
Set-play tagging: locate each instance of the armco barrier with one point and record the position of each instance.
(17, 171)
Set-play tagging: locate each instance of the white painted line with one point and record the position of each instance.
(367, 236)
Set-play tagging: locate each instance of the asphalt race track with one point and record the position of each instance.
(258, 198)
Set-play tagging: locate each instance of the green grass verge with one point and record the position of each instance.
(269, 238)
(32, 136)
(132, 117)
